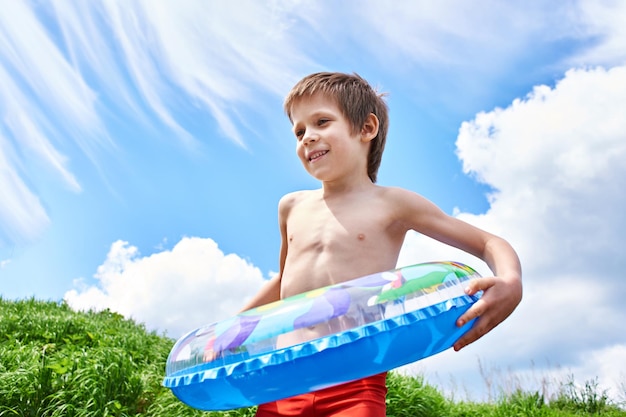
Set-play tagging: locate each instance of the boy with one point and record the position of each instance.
(352, 227)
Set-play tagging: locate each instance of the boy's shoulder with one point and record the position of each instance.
(394, 194)
(291, 199)
(299, 195)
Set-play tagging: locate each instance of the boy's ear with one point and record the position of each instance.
(370, 128)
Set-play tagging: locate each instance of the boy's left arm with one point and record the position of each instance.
(502, 292)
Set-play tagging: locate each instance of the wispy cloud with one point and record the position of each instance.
(38, 68)
(42, 99)
(66, 68)
(4, 262)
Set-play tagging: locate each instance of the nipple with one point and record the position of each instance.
(361, 236)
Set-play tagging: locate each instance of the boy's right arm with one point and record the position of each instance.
(270, 291)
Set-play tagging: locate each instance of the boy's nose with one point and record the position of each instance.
(310, 137)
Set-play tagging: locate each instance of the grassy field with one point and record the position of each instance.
(57, 362)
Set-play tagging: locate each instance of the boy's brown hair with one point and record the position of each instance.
(356, 100)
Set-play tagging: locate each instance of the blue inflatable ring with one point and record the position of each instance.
(321, 338)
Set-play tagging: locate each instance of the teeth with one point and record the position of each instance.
(317, 155)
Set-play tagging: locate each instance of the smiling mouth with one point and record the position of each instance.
(317, 155)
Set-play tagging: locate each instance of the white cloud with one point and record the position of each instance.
(556, 159)
(174, 291)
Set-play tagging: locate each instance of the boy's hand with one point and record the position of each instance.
(498, 301)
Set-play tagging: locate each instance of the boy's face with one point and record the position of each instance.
(326, 144)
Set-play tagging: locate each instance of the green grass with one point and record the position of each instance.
(57, 362)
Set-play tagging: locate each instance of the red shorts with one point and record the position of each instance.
(360, 398)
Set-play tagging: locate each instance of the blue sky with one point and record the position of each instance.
(143, 151)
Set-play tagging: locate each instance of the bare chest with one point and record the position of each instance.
(319, 228)
(329, 243)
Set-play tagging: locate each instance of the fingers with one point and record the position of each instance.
(472, 313)
(480, 306)
(479, 284)
(497, 302)
(479, 328)
(475, 333)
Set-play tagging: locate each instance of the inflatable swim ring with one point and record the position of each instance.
(321, 338)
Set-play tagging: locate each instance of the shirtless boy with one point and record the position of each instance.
(351, 227)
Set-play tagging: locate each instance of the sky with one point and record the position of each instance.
(143, 151)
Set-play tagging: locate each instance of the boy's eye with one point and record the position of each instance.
(320, 122)
(299, 133)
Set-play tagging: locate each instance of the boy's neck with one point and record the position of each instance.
(332, 189)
